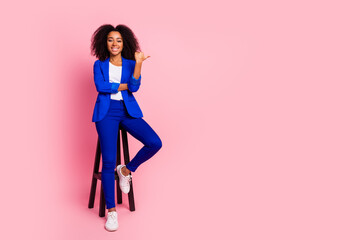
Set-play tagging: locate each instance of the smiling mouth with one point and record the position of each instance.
(114, 49)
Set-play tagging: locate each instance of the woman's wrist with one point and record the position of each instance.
(123, 86)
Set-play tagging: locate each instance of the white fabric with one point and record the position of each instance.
(115, 77)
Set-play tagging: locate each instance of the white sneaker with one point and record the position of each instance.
(112, 221)
(124, 181)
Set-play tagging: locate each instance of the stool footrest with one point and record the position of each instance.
(98, 176)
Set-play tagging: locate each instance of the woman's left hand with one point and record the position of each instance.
(139, 57)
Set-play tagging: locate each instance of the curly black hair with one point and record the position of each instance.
(99, 41)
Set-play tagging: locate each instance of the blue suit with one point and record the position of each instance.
(105, 88)
(110, 113)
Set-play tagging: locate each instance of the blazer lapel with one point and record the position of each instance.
(106, 67)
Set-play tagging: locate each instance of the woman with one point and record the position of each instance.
(117, 76)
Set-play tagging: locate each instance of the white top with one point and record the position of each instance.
(115, 77)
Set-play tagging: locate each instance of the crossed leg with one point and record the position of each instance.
(141, 130)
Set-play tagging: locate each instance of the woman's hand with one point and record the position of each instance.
(123, 86)
(139, 57)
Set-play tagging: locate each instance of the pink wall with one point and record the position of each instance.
(257, 104)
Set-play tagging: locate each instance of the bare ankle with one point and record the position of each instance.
(125, 171)
(112, 210)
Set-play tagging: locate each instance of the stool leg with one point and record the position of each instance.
(118, 162)
(94, 179)
(127, 160)
(102, 203)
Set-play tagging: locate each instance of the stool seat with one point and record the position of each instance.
(97, 175)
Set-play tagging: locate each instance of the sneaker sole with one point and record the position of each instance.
(110, 230)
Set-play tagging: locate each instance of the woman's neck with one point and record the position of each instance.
(117, 60)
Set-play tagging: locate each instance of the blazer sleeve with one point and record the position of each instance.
(101, 85)
(134, 84)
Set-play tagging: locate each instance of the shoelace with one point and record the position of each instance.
(127, 180)
(129, 177)
(111, 217)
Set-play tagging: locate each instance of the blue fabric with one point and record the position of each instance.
(108, 130)
(104, 88)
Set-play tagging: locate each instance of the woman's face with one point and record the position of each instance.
(114, 43)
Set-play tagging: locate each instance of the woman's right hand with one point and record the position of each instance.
(123, 86)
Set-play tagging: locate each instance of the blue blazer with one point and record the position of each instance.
(105, 88)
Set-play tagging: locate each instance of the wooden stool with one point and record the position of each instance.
(97, 175)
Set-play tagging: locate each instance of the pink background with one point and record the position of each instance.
(256, 102)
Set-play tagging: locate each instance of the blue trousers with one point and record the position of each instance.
(108, 130)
